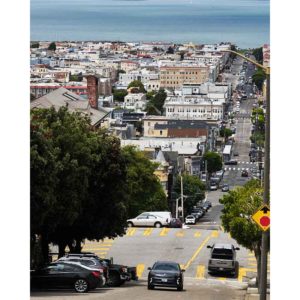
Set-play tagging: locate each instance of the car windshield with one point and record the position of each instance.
(166, 267)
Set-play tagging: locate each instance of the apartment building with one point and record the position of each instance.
(174, 75)
(196, 107)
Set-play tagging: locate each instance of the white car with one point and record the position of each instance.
(149, 219)
(190, 220)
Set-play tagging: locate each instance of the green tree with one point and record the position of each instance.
(138, 84)
(214, 161)
(258, 78)
(120, 72)
(119, 95)
(76, 77)
(52, 46)
(239, 205)
(193, 188)
(150, 95)
(258, 53)
(170, 50)
(77, 174)
(225, 132)
(35, 45)
(155, 105)
(145, 192)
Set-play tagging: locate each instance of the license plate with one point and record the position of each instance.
(164, 280)
(221, 269)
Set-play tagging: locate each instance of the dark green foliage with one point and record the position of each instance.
(225, 132)
(119, 95)
(137, 84)
(170, 50)
(52, 46)
(78, 77)
(258, 53)
(214, 161)
(145, 192)
(193, 188)
(35, 45)
(155, 105)
(258, 78)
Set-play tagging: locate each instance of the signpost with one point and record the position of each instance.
(262, 217)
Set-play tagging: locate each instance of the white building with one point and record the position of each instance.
(137, 102)
(196, 107)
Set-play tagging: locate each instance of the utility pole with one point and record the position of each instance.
(181, 183)
(177, 208)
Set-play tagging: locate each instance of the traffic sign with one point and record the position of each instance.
(262, 217)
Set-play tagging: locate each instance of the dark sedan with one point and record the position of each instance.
(175, 223)
(165, 274)
(231, 162)
(66, 275)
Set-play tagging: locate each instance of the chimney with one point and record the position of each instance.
(93, 90)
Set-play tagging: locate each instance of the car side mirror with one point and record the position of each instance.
(237, 248)
(209, 246)
(149, 268)
(182, 270)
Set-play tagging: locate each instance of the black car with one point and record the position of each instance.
(166, 274)
(66, 275)
(175, 223)
(244, 173)
(231, 162)
(90, 262)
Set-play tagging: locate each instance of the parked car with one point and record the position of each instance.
(117, 274)
(197, 213)
(225, 188)
(206, 205)
(66, 275)
(245, 173)
(175, 223)
(231, 162)
(223, 259)
(190, 219)
(150, 219)
(91, 263)
(220, 173)
(213, 186)
(167, 274)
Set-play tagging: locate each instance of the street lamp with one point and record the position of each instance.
(266, 196)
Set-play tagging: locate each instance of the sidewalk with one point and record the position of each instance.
(252, 292)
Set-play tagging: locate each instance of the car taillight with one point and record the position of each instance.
(96, 274)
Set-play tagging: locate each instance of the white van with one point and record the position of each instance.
(151, 218)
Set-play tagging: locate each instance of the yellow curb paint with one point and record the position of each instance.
(222, 228)
(197, 252)
(131, 232)
(215, 234)
(222, 278)
(200, 272)
(242, 273)
(252, 258)
(180, 233)
(164, 231)
(181, 266)
(197, 234)
(139, 270)
(148, 231)
(229, 235)
(95, 249)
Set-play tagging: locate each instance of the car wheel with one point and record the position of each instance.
(114, 279)
(81, 286)
(180, 287)
(157, 225)
(129, 224)
(150, 286)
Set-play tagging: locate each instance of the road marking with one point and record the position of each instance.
(94, 249)
(215, 234)
(200, 272)
(196, 252)
(238, 169)
(164, 231)
(222, 278)
(180, 233)
(242, 273)
(148, 231)
(247, 162)
(181, 266)
(131, 231)
(233, 169)
(139, 270)
(252, 258)
(197, 234)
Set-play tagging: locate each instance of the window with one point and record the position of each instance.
(160, 132)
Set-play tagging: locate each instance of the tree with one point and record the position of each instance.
(239, 205)
(258, 53)
(258, 78)
(150, 95)
(76, 77)
(119, 95)
(158, 101)
(193, 188)
(52, 46)
(35, 45)
(214, 161)
(225, 132)
(137, 84)
(120, 72)
(170, 50)
(145, 192)
(233, 48)
(77, 174)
